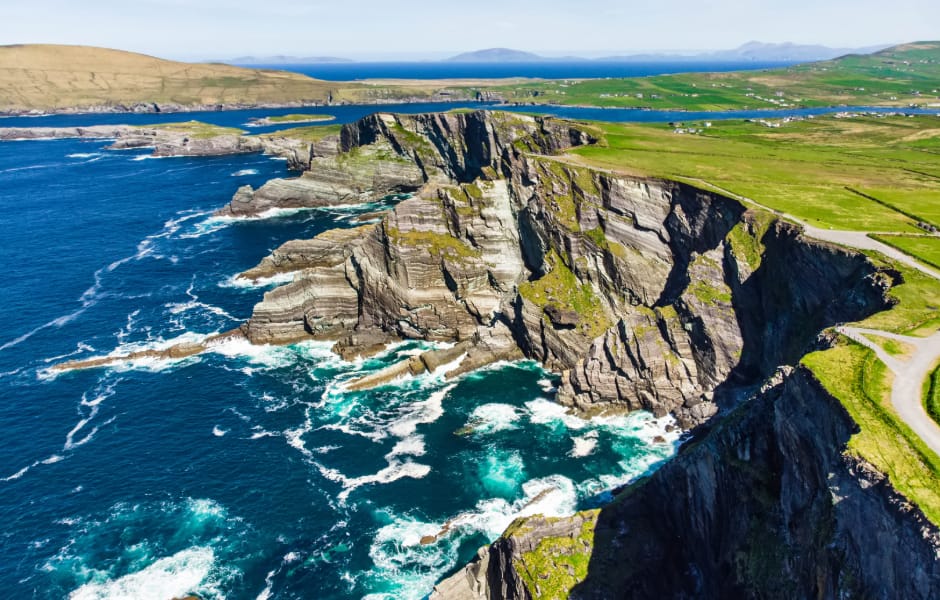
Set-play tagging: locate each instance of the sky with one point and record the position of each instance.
(422, 29)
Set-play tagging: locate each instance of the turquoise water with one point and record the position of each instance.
(247, 472)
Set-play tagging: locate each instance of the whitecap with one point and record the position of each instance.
(169, 577)
(492, 418)
(546, 412)
(410, 446)
(393, 472)
(18, 474)
(83, 155)
(411, 555)
(583, 445)
(277, 279)
(245, 172)
(177, 308)
(419, 413)
(268, 586)
(218, 432)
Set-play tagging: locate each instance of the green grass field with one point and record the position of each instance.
(854, 375)
(196, 129)
(899, 76)
(313, 133)
(925, 248)
(819, 170)
(932, 395)
(300, 118)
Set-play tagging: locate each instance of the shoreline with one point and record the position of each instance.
(497, 104)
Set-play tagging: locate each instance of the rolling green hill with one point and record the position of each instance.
(898, 76)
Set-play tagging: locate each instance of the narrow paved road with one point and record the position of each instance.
(909, 376)
(909, 372)
(853, 239)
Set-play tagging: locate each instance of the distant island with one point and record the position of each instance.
(496, 55)
(751, 51)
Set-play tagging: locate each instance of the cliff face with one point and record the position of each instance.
(633, 288)
(642, 293)
(765, 506)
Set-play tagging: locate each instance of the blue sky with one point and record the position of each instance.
(388, 29)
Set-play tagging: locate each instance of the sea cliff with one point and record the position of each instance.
(641, 293)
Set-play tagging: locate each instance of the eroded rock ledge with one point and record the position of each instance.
(767, 505)
(643, 293)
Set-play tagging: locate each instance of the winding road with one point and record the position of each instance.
(911, 371)
(909, 375)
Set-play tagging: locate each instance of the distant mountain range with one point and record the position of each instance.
(751, 51)
(499, 55)
(754, 51)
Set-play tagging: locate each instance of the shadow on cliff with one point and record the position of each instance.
(746, 510)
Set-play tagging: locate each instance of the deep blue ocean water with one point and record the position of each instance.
(549, 69)
(246, 472)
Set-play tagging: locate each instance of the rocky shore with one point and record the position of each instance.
(173, 139)
(643, 294)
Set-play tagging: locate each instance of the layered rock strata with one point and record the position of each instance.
(643, 293)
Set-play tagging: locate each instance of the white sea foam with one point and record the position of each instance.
(169, 577)
(194, 303)
(492, 418)
(418, 413)
(218, 431)
(546, 384)
(19, 473)
(261, 282)
(408, 568)
(91, 296)
(268, 586)
(584, 445)
(393, 472)
(546, 412)
(244, 172)
(410, 446)
(83, 155)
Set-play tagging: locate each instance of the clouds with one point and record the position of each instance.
(196, 29)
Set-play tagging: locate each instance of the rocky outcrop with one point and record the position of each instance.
(186, 139)
(385, 154)
(643, 293)
(768, 504)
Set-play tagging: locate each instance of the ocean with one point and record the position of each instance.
(247, 472)
(548, 69)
